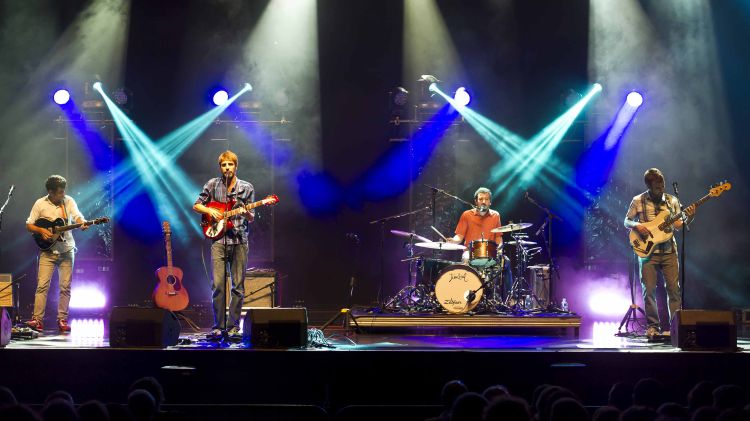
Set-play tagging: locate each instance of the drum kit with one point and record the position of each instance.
(472, 285)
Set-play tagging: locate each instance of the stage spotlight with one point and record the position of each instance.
(635, 99)
(97, 86)
(462, 97)
(433, 87)
(597, 87)
(220, 97)
(400, 96)
(61, 96)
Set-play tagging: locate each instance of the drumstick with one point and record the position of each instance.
(435, 229)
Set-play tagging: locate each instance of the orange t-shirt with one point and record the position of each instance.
(471, 226)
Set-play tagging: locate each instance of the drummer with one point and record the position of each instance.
(477, 224)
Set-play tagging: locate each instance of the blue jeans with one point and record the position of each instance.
(668, 265)
(233, 265)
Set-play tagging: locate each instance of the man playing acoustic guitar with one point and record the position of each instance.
(231, 248)
(51, 207)
(644, 208)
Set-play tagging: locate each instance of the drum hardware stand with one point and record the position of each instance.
(520, 285)
(553, 272)
(631, 316)
(382, 222)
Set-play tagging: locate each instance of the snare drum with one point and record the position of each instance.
(483, 253)
(453, 287)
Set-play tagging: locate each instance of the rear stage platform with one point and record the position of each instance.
(385, 363)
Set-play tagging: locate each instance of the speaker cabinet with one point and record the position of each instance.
(275, 327)
(5, 327)
(704, 330)
(143, 327)
(6, 290)
(260, 289)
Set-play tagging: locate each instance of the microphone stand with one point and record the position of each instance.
(382, 222)
(685, 228)
(2, 209)
(437, 190)
(549, 216)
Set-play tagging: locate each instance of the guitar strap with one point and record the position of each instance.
(644, 214)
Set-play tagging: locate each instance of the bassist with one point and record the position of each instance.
(644, 208)
(61, 254)
(229, 252)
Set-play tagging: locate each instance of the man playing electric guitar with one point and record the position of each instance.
(230, 249)
(61, 254)
(663, 258)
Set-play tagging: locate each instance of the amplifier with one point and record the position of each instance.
(6, 290)
(260, 289)
(704, 330)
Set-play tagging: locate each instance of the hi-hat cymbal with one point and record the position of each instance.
(522, 242)
(410, 234)
(512, 227)
(439, 245)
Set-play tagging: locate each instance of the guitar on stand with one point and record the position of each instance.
(216, 228)
(169, 293)
(57, 228)
(660, 229)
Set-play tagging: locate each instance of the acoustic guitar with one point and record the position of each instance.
(169, 293)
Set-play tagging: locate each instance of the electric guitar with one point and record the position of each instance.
(58, 227)
(215, 229)
(661, 226)
(169, 293)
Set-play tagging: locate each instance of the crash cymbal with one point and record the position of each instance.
(513, 227)
(439, 245)
(409, 234)
(523, 242)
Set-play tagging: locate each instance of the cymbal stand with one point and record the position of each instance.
(554, 274)
(520, 287)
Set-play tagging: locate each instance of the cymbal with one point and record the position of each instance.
(409, 234)
(439, 245)
(522, 242)
(512, 227)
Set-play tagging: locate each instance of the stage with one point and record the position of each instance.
(396, 366)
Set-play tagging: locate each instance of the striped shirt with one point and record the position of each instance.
(243, 194)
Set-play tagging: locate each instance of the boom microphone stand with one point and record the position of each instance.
(553, 272)
(685, 229)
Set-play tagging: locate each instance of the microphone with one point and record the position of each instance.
(674, 186)
(539, 231)
(12, 187)
(526, 195)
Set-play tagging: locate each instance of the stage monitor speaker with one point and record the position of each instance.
(704, 330)
(275, 327)
(143, 327)
(260, 289)
(5, 327)
(6, 290)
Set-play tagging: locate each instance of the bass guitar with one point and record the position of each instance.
(169, 293)
(661, 227)
(58, 227)
(215, 228)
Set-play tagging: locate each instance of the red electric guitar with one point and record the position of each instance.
(215, 229)
(170, 294)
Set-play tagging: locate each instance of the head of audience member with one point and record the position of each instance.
(495, 391)
(606, 413)
(93, 411)
(621, 396)
(638, 413)
(733, 414)
(468, 407)
(7, 397)
(672, 411)
(451, 391)
(701, 395)
(705, 413)
(59, 409)
(507, 408)
(568, 409)
(548, 398)
(151, 385)
(59, 394)
(18, 412)
(648, 392)
(729, 396)
(142, 405)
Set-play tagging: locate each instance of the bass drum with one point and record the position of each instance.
(453, 287)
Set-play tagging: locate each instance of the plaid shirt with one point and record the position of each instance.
(642, 208)
(243, 193)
